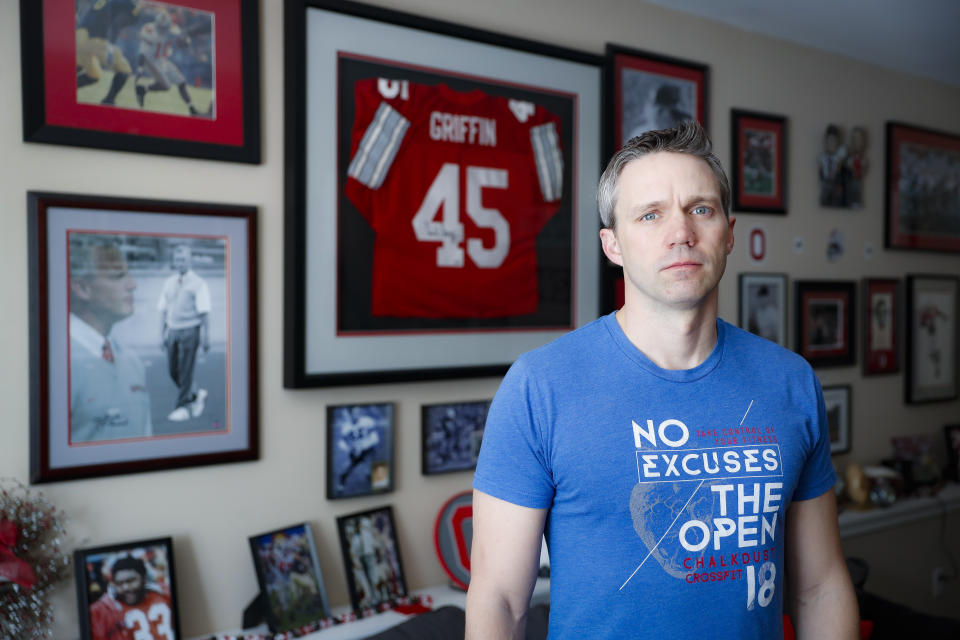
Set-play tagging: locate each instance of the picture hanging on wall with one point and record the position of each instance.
(932, 340)
(178, 79)
(371, 555)
(763, 305)
(842, 165)
(881, 326)
(837, 401)
(825, 332)
(360, 450)
(451, 435)
(143, 335)
(127, 590)
(922, 189)
(759, 161)
(440, 178)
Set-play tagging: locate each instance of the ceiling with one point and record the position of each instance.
(919, 37)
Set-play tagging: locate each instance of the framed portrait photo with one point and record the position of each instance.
(142, 335)
(451, 435)
(881, 326)
(922, 192)
(371, 555)
(360, 445)
(932, 338)
(439, 211)
(174, 77)
(826, 322)
(837, 401)
(759, 161)
(763, 305)
(289, 576)
(129, 587)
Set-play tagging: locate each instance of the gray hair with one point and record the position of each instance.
(90, 253)
(686, 137)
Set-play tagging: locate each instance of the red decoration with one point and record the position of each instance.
(12, 568)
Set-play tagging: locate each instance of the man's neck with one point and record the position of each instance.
(99, 324)
(675, 339)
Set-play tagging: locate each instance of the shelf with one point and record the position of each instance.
(906, 510)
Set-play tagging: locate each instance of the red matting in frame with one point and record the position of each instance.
(60, 96)
(843, 345)
(774, 200)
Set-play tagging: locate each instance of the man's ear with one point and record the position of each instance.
(731, 221)
(80, 288)
(611, 248)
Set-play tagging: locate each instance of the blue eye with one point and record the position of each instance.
(702, 210)
(649, 216)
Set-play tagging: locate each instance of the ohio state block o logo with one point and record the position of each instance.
(453, 535)
(758, 244)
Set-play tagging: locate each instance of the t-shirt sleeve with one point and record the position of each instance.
(818, 475)
(513, 464)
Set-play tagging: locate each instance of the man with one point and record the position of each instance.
(679, 465)
(184, 308)
(663, 108)
(130, 610)
(157, 42)
(97, 30)
(108, 391)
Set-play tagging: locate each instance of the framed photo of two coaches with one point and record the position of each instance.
(142, 335)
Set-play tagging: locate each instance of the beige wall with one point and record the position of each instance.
(211, 510)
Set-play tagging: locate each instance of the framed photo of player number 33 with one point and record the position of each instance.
(440, 180)
(175, 77)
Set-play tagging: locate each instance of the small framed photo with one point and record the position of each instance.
(837, 401)
(825, 322)
(142, 335)
(881, 323)
(759, 161)
(452, 433)
(922, 191)
(127, 591)
(371, 556)
(763, 305)
(359, 450)
(176, 78)
(290, 579)
(932, 340)
(951, 433)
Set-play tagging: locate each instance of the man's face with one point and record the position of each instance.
(181, 260)
(128, 585)
(672, 237)
(109, 292)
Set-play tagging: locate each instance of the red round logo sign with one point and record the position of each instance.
(453, 535)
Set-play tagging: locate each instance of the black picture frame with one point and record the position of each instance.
(932, 338)
(758, 162)
(364, 535)
(56, 111)
(763, 305)
(297, 563)
(94, 416)
(102, 603)
(838, 402)
(321, 343)
(360, 449)
(451, 435)
(825, 329)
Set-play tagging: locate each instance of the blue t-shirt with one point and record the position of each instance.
(666, 490)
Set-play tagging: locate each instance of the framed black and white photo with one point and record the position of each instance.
(435, 242)
(127, 590)
(371, 556)
(932, 340)
(360, 445)
(451, 435)
(837, 401)
(289, 576)
(825, 331)
(763, 305)
(143, 335)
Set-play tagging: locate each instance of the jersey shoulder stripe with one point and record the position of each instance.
(378, 147)
(549, 160)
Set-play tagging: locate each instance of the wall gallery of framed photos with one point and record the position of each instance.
(848, 244)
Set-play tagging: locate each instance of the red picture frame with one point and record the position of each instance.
(60, 107)
(881, 326)
(758, 162)
(825, 331)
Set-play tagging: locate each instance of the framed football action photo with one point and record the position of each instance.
(837, 401)
(174, 77)
(451, 435)
(763, 305)
(438, 195)
(289, 576)
(932, 338)
(922, 191)
(825, 322)
(142, 335)
(759, 161)
(360, 446)
(371, 556)
(127, 590)
(881, 326)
